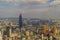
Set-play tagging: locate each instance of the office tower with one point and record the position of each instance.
(20, 21)
(44, 28)
(7, 31)
(54, 30)
(10, 32)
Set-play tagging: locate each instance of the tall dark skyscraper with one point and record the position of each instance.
(20, 21)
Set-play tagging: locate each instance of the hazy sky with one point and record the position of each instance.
(30, 8)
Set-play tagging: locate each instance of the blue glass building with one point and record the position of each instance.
(20, 21)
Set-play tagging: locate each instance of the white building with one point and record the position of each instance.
(0, 35)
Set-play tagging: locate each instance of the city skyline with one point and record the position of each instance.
(30, 8)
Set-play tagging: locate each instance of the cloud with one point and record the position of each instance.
(41, 1)
(55, 2)
(16, 2)
(9, 0)
(28, 2)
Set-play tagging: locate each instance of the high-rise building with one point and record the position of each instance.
(20, 21)
(1, 36)
(7, 31)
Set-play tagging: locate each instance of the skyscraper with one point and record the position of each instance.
(20, 21)
(7, 31)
